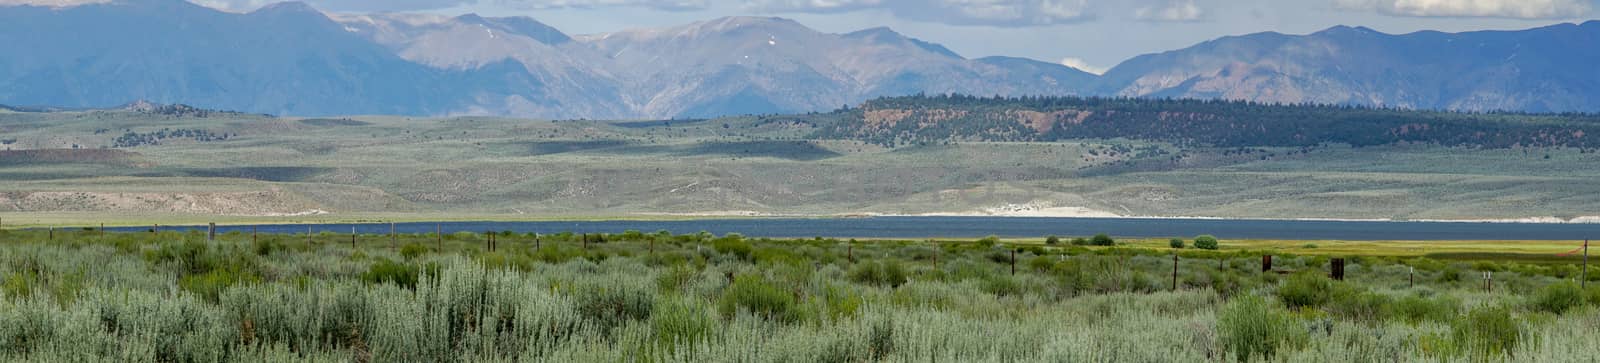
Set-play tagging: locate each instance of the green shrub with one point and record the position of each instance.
(1102, 240)
(1080, 241)
(1488, 331)
(733, 244)
(1052, 240)
(1559, 297)
(1306, 290)
(209, 285)
(1360, 305)
(1251, 327)
(678, 321)
(988, 242)
(1416, 308)
(752, 293)
(1176, 243)
(1206, 242)
(609, 304)
(386, 271)
(413, 250)
(879, 273)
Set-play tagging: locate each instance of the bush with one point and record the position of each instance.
(1416, 308)
(1559, 297)
(884, 273)
(608, 304)
(734, 244)
(413, 250)
(386, 271)
(1176, 243)
(680, 322)
(1080, 241)
(1251, 327)
(1206, 242)
(752, 293)
(209, 285)
(1052, 240)
(1487, 331)
(1102, 240)
(988, 242)
(1306, 290)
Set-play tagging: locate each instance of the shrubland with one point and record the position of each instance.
(176, 297)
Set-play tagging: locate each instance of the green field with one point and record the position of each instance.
(79, 295)
(244, 168)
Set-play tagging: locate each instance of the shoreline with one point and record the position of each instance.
(73, 219)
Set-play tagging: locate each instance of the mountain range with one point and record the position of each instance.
(291, 59)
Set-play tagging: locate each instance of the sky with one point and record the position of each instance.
(1087, 34)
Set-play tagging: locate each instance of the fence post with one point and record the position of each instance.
(536, 241)
(155, 228)
(102, 231)
(352, 238)
(438, 232)
(1338, 269)
(1013, 261)
(850, 252)
(1412, 280)
(1266, 263)
(1585, 283)
(52, 233)
(308, 235)
(211, 232)
(252, 234)
(1174, 271)
(393, 239)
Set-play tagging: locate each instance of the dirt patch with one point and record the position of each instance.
(249, 203)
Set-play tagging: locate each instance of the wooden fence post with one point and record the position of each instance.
(1337, 269)
(1266, 263)
(352, 238)
(252, 234)
(1585, 283)
(438, 232)
(1013, 261)
(850, 252)
(308, 235)
(393, 239)
(102, 231)
(1174, 271)
(52, 233)
(536, 241)
(211, 232)
(1411, 280)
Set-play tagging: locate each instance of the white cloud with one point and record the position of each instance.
(1519, 9)
(1000, 13)
(1179, 10)
(412, 5)
(1082, 65)
(668, 5)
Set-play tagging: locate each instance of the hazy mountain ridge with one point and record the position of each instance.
(1548, 69)
(291, 59)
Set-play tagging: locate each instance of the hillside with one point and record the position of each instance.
(1546, 69)
(145, 164)
(949, 118)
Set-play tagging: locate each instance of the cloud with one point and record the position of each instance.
(1082, 65)
(1519, 9)
(413, 5)
(1178, 10)
(999, 13)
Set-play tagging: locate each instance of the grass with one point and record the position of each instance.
(175, 297)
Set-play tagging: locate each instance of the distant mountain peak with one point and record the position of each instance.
(885, 34)
(287, 7)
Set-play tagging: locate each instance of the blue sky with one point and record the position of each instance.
(1092, 33)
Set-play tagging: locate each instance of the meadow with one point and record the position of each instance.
(84, 295)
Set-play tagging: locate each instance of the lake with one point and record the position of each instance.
(977, 227)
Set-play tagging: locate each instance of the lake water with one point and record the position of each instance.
(977, 227)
